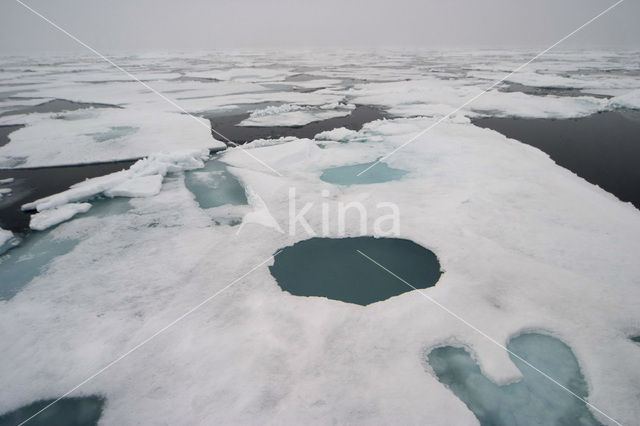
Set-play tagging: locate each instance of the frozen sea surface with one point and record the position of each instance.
(526, 246)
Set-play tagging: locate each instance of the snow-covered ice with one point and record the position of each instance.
(295, 115)
(525, 245)
(7, 240)
(628, 100)
(47, 142)
(142, 186)
(341, 134)
(51, 217)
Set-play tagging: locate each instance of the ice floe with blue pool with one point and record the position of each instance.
(109, 134)
(532, 400)
(52, 217)
(357, 174)
(466, 195)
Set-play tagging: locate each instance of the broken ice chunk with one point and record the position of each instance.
(48, 218)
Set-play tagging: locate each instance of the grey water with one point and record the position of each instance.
(350, 175)
(602, 148)
(333, 268)
(82, 411)
(228, 125)
(214, 186)
(31, 184)
(533, 400)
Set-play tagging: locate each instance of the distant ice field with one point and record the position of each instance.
(530, 253)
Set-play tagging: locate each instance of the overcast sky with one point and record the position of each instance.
(165, 25)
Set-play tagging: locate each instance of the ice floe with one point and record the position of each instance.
(47, 142)
(47, 218)
(295, 115)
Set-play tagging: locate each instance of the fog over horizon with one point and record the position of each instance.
(169, 25)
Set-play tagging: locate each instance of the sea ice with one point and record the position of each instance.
(47, 218)
(113, 133)
(295, 115)
(526, 245)
(48, 142)
(7, 240)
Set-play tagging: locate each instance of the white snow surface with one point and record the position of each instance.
(142, 186)
(525, 245)
(629, 100)
(295, 115)
(47, 141)
(48, 218)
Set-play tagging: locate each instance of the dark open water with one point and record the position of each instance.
(604, 148)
